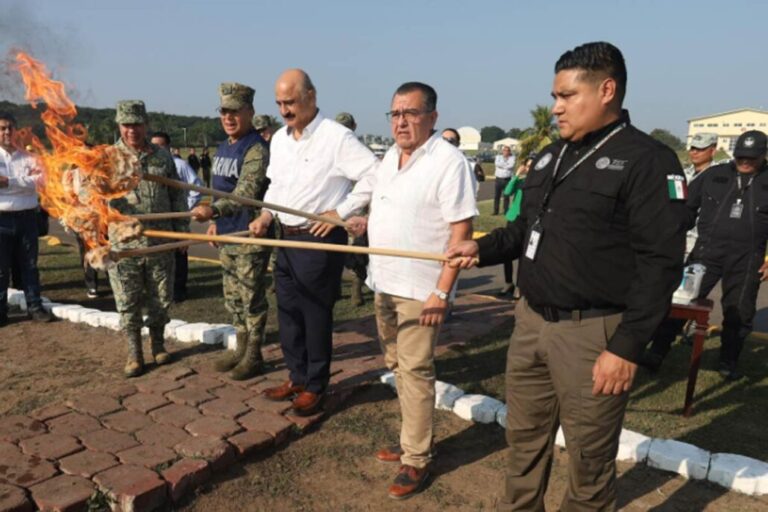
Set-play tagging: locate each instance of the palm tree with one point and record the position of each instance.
(541, 134)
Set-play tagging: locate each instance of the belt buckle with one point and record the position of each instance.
(550, 314)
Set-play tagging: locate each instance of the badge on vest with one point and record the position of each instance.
(677, 187)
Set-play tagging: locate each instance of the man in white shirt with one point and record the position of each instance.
(187, 174)
(313, 163)
(422, 198)
(505, 169)
(19, 172)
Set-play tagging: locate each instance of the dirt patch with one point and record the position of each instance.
(331, 467)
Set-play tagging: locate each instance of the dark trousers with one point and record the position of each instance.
(180, 280)
(740, 283)
(89, 273)
(509, 268)
(18, 247)
(501, 184)
(306, 285)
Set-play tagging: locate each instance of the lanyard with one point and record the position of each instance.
(556, 182)
(742, 190)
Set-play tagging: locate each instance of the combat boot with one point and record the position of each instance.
(357, 292)
(229, 360)
(135, 364)
(157, 338)
(252, 363)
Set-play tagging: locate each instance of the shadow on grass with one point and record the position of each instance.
(640, 480)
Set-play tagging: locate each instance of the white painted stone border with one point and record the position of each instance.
(735, 472)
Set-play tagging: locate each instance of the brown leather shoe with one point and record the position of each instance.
(389, 454)
(307, 403)
(284, 391)
(408, 482)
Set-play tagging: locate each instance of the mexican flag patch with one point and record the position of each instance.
(677, 187)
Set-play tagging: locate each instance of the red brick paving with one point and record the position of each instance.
(160, 437)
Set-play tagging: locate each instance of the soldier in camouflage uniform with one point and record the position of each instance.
(145, 281)
(240, 167)
(265, 125)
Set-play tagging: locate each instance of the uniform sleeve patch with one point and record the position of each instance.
(677, 188)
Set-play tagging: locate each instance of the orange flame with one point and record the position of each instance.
(77, 181)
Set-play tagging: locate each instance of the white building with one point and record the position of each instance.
(470, 138)
(728, 126)
(507, 141)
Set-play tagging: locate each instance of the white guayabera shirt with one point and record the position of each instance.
(412, 209)
(315, 173)
(20, 194)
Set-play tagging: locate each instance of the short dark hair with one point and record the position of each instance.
(597, 60)
(430, 96)
(163, 136)
(7, 116)
(454, 130)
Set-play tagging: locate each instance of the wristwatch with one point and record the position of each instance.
(440, 294)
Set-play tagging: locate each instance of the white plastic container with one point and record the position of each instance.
(690, 286)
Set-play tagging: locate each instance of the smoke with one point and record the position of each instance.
(21, 29)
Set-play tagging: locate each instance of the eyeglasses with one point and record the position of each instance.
(409, 115)
(451, 140)
(228, 111)
(699, 149)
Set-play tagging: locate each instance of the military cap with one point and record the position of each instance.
(751, 144)
(346, 119)
(703, 140)
(261, 121)
(235, 96)
(131, 112)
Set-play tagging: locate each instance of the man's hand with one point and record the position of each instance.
(202, 213)
(212, 231)
(3, 181)
(321, 229)
(356, 226)
(612, 375)
(764, 271)
(258, 227)
(433, 311)
(463, 254)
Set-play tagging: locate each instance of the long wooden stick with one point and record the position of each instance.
(172, 246)
(162, 216)
(269, 242)
(242, 200)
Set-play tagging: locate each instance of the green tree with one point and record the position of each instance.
(515, 133)
(491, 133)
(665, 137)
(541, 134)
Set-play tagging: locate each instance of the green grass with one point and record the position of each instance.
(486, 222)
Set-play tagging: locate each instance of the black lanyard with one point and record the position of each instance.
(740, 191)
(557, 182)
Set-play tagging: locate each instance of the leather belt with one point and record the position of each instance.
(552, 314)
(295, 230)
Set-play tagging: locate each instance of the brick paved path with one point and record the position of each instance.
(153, 439)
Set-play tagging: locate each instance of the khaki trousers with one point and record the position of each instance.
(549, 383)
(409, 352)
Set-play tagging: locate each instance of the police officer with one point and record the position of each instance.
(600, 239)
(731, 201)
(145, 281)
(240, 167)
(702, 155)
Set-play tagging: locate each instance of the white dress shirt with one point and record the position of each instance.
(505, 167)
(315, 173)
(188, 175)
(20, 194)
(412, 209)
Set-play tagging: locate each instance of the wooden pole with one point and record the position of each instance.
(162, 216)
(242, 200)
(143, 251)
(316, 246)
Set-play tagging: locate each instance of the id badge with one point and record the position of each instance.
(533, 242)
(736, 210)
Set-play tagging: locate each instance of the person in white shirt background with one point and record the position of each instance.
(422, 197)
(19, 172)
(313, 163)
(505, 169)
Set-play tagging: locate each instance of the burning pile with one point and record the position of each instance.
(77, 181)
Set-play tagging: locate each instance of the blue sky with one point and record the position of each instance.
(490, 61)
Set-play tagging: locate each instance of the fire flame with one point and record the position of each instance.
(77, 181)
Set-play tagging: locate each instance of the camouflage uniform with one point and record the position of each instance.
(244, 266)
(146, 282)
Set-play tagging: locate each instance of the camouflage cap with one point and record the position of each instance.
(703, 140)
(235, 96)
(131, 112)
(261, 121)
(346, 119)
